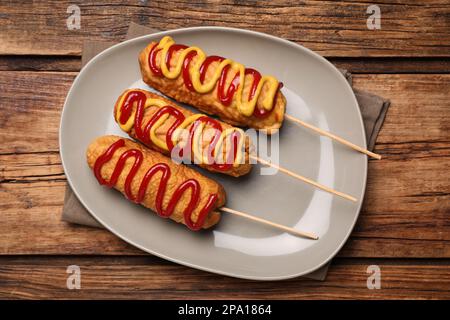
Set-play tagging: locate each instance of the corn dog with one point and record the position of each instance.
(215, 85)
(154, 121)
(147, 177)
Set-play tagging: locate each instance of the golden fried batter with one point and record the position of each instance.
(208, 102)
(179, 174)
(161, 132)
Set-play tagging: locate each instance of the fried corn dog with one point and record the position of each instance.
(154, 121)
(215, 85)
(151, 179)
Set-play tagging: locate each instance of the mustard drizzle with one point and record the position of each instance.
(198, 154)
(244, 107)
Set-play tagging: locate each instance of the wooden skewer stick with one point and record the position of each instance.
(334, 137)
(304, 179)
(270, 223)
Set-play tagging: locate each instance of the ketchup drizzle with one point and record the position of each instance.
(225, 97)
(190, 184)
(138, 97)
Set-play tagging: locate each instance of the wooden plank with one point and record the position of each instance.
(116, 277)
(395, 247)
(31, 109)
(407, 199)
(31, 224)
(40, 63)
(420, 108)
(331, 28)
(354, 65)
(396, 65)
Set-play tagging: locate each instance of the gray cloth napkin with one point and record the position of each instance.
(373, 110)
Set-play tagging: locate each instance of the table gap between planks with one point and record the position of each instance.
(404, 226)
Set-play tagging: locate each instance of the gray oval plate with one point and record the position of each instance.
(315, 91)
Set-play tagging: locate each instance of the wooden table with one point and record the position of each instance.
(404, 226)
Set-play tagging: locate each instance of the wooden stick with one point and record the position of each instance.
(334, 137)
(304, 179)
(270, 223)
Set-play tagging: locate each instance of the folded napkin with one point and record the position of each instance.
(373, 110)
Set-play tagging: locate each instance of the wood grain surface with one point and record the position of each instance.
(404, 226)
(151, 278)
(332, 28)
